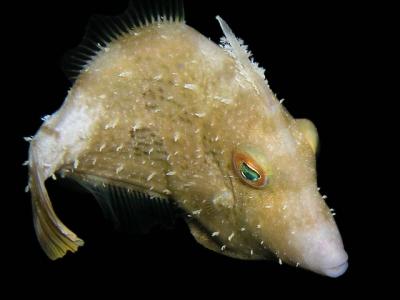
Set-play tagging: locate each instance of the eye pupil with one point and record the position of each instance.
(249, 173)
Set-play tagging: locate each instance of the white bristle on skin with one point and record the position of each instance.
(190, 86)
(150, 177)
(119, 169)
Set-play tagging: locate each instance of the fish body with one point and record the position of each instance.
(163, 115)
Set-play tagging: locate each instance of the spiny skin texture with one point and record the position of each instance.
(164, 109)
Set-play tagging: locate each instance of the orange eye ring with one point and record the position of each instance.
(249, 171)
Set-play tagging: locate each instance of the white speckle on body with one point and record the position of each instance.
(135, 127)
(190, 86)
(45, 118)
(125, 74)
(119, 147)
(170, 173)
(176, 136)
(119, 169)
(215, 233)
(258, 226)
(167, 191)
(76, 163)
(157, 77)
(150, 177)
(324, 197)
(200, 114)
(223, 247)
(280, 261)
(102, 147)
(196, 212)
(242, 229)
(223, 100)
(231, 236)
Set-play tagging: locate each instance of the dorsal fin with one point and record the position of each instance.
(250, 69)
(130, 208)
(102, 30)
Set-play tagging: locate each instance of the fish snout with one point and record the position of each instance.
(336, 271)
(321, 251)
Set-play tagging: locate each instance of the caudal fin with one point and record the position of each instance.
(54, 237)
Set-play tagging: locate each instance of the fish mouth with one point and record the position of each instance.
(336, 271)
(320, 249)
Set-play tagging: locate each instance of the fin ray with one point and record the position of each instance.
(53, 236)
(102, 30)
(130, 208)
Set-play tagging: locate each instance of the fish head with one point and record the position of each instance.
(272, 164)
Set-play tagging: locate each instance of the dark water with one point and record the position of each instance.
(311, 56)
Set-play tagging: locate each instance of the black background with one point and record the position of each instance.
(313, 55)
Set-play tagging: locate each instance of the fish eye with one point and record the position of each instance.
(248, 170)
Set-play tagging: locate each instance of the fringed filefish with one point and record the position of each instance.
(163, 123)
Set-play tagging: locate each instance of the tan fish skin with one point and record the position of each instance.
(164, 110)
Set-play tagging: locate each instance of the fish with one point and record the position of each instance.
(162, 123)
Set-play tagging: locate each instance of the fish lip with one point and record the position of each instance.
(337, 270)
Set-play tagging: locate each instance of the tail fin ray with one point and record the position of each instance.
(54, 237)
